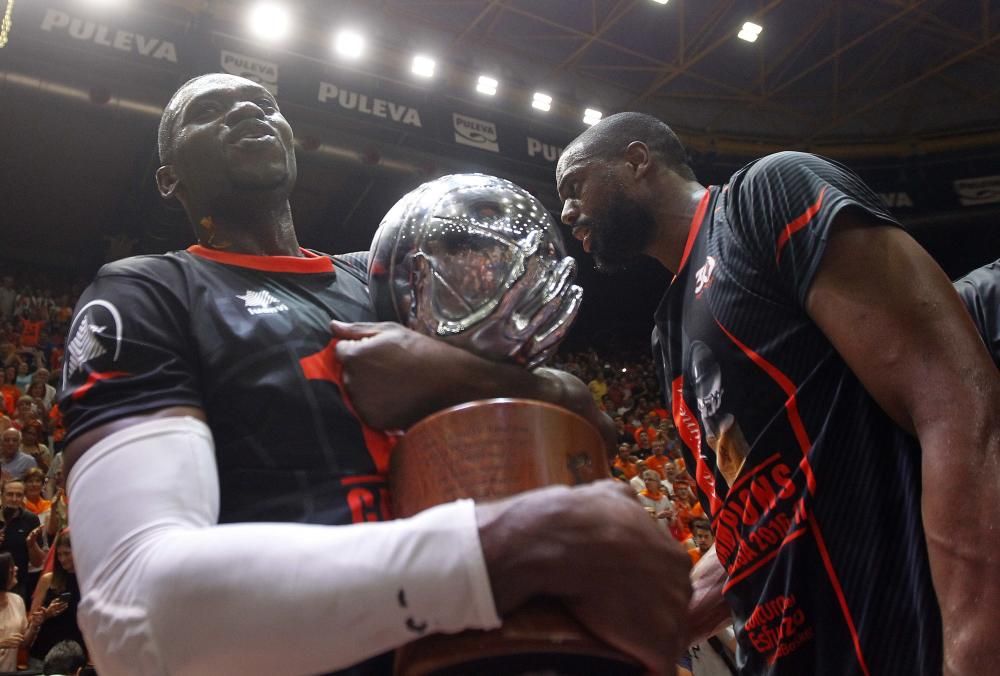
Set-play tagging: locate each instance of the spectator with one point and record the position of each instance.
(55, 601)
(65, 659)
(23, 377)
(646, 427)
(624, 462)
(655, 501)
(9, 391)
(638, 482)
(643, 447)
(13, 620)
(30, 445)
(34, 501)
(658, 461)
(701, 532)
(42, 375)
(13, 462)
(25, 411)
(17, 524)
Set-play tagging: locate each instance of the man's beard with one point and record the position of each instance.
(620, 235)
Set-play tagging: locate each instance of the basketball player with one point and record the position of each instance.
(204, 398)
(855, 378)
(980, 291)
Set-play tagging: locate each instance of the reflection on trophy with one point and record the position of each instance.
(723, 433)
(477, 261)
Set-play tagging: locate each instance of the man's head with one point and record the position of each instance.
(220, 137)
(624, 451)
(13, 495)
(42, 375)
(605, 179)
(65, 657)
(10, 442)
(652, 481)
(658, 447)
(702, 534)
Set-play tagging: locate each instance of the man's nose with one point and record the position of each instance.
(570, 212)
(243, 110)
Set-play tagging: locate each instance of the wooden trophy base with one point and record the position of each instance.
(492, 449)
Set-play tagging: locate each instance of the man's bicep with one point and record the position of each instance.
(894, 317)
(87, 440)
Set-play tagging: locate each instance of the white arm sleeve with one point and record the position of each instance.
(168, 591)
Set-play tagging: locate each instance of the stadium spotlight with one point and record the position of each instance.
(423, 66)
(749, 32)
(487, 85)
(349, 44)
(269, 21)
(592, 116)
(541, 101)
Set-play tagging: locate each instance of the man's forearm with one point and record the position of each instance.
(707, 612)
(961, 491)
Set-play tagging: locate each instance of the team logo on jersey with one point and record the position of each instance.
(262, 303)
(703, 278)
(96, 325)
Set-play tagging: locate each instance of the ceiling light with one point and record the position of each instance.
(487, 85)
(541, 101)
(423, 66)
(269, 21)
(349, 44)
(592, 116)
(661, 2)
(749, 32)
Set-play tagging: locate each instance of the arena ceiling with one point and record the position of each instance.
(821, 72)
(896, 84)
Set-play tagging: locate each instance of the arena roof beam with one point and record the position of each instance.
(617, 12)
(851, 43)
(944, 65)
(685, 67)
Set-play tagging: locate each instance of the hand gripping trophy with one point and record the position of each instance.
(477, 261)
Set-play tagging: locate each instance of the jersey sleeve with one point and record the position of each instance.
(783, 206)
(129, 350)
(980, 291)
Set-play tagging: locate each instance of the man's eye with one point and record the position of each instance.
(204, 111)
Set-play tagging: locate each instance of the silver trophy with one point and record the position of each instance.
(477, 261)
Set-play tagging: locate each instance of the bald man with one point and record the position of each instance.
(835, 404)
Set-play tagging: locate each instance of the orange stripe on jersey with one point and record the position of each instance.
(93, 379)
(796, 225)
(324, 365)
(306, 263)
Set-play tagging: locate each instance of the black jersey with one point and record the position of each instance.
(813, 492)
(980, 291)
(245, 338)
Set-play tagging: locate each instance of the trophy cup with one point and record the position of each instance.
(477, 261)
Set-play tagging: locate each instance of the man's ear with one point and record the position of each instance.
(167, 181)
(638, 157)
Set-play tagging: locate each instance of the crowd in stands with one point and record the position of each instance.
(38, 608)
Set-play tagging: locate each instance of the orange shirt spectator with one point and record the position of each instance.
(31, 330)
(624, 462)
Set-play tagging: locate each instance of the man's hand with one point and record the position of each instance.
(392, 374)
(57, 607)
(395, 377)
(572, 544)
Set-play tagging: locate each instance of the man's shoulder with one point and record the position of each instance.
(164, 269)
